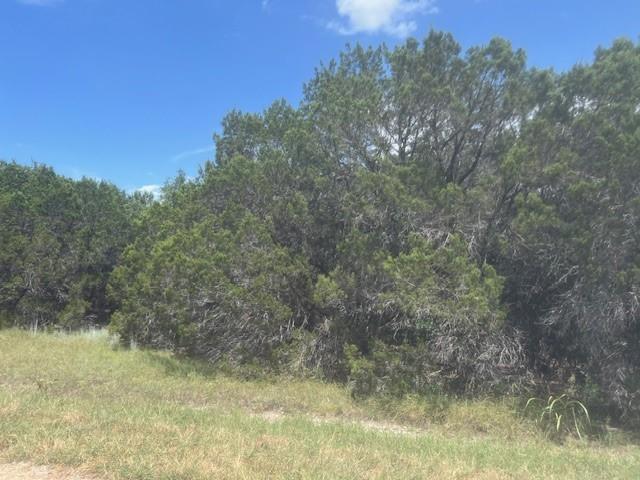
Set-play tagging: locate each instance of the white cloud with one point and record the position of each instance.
(40, 3)
(155, 190)
(394, 17)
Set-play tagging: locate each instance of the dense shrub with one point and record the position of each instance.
(213, 290)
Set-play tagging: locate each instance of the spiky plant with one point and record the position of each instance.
(560, 416)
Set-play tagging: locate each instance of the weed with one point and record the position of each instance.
(560, 416)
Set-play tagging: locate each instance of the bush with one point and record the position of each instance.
(560, 416)
(211, 291)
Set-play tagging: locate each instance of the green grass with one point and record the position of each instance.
(76, 401)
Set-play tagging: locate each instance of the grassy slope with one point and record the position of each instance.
(139, 415)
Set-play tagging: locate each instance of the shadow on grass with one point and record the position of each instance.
(184, 367)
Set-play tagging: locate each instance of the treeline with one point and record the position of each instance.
(426, 220)
(59, 242)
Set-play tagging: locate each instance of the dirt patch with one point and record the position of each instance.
(275, 416)
(391, 428)
(24, 471)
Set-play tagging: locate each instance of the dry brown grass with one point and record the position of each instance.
(25, 471)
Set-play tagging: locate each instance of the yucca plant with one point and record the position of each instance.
(560, 416)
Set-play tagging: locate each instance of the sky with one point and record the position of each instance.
(131, 91)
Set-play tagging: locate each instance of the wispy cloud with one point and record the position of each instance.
(191, 153)
(393, 17)
(40, 3)
(265, 4)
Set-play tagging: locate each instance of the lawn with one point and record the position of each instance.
(77, 401)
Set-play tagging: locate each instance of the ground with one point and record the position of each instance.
(24, 471)
(87, 410)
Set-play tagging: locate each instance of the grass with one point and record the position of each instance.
(78, 402)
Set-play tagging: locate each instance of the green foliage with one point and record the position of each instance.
(59, 241)
(74, 314)
(560, 416)
(214, 290)
(443, 286)
(362, 376)
(392, 371)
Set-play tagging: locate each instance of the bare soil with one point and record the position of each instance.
(25, 471)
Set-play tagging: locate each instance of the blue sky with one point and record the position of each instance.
(131, 91)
